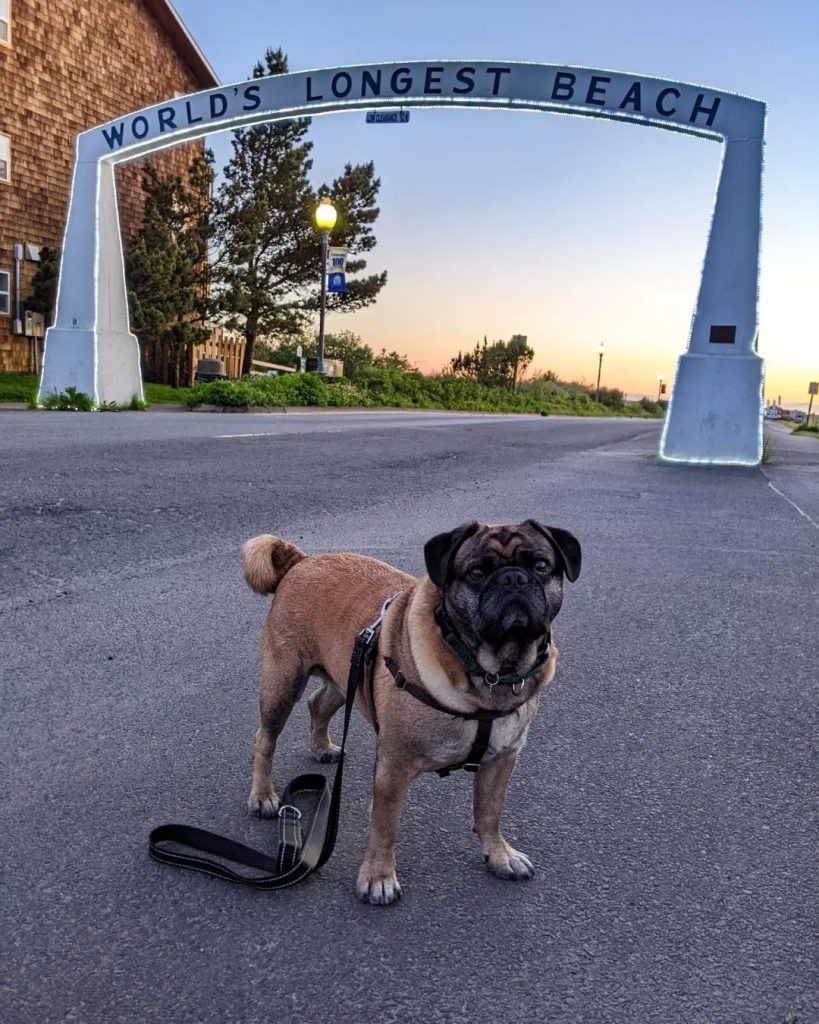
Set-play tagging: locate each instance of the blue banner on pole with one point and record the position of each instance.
(336, 283)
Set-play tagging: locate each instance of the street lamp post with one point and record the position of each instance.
(325, 222)
(600, 352)
(660, 385)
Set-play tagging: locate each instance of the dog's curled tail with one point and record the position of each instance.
(265, 560)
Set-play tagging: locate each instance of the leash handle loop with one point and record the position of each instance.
(184, 845)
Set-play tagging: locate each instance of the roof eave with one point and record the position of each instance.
(186, 45)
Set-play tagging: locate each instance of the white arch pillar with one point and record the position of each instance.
(90, 346)
(715, 413)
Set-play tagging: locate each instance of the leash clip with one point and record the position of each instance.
(370, 631)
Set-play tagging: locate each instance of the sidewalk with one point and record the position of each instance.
(792, 468)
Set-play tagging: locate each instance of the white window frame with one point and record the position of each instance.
(7, 292)
(7, 20)
(7, 179)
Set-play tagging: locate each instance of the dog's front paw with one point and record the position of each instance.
(326, 755)
(377, 887)
(263, 805)
(506, 862)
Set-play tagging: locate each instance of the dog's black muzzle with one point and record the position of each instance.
(512, 606)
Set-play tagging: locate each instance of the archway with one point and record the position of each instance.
(715, 413)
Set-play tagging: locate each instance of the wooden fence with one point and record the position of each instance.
(176, 364)
(222, 344)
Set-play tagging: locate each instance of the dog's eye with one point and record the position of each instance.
(542, 567)
(475, 574)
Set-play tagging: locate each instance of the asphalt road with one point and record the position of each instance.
(665, 796)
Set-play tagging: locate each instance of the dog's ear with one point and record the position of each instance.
(565, 544)
(440, 550)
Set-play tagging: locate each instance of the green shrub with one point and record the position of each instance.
(69, 400)
(391, 387)
(650, 406)
(218, 392)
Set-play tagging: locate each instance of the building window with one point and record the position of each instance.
(5, 156)
(5, 22)
(5, 292)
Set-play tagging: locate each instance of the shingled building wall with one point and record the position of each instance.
(69, 66)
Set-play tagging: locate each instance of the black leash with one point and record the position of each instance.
(296, 857)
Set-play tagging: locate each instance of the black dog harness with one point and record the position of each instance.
(483, 717)
(472, 762)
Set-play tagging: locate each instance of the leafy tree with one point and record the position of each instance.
(345, 345)
(167, 265)
(267, 250)
(519, 356)
(394, 361)
(501, 364)
(43, 296)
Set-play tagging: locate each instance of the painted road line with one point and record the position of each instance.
(801, 511)
(267, 433)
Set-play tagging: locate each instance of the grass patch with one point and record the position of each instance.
(135, 405)
(22, 387)
(164, 394)
(804, 428)
(18, 387)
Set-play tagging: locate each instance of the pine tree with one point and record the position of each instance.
(267, 249)
(167, 262)
(354, 195)
(263, 232)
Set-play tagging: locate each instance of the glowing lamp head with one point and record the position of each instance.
(326, 215)
(601, 348)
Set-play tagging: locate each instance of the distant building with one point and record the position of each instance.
(65, 67)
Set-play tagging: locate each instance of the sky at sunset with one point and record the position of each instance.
(569, 230)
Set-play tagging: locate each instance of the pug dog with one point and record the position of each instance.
(472, 639)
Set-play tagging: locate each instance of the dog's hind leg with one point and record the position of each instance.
(283, 682)
(323, 704)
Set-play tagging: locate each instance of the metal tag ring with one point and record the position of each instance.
(491, 679)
